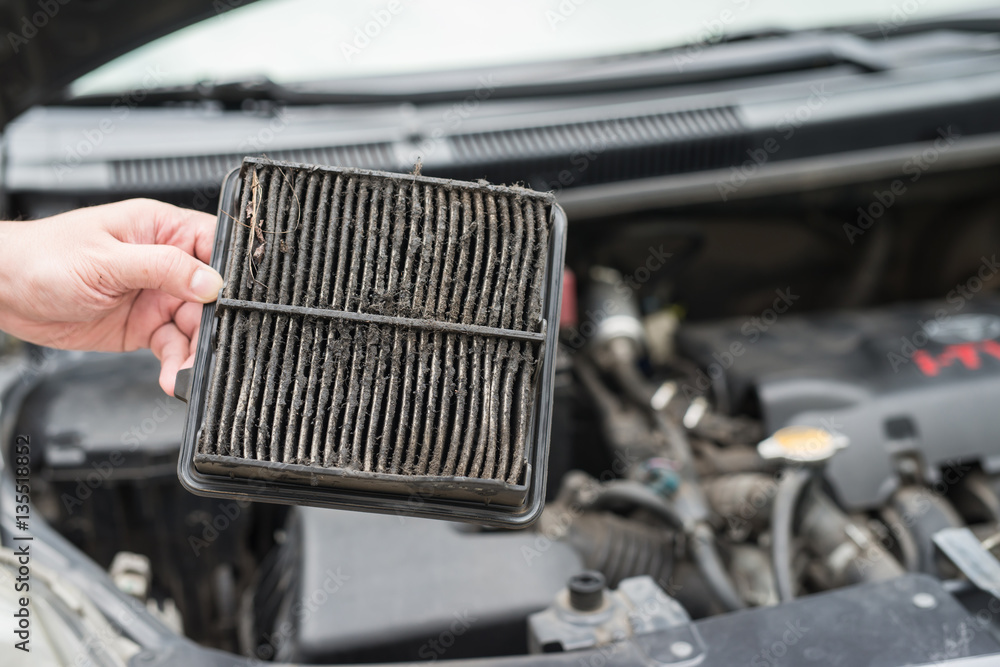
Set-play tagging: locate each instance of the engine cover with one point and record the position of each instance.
(914, 378)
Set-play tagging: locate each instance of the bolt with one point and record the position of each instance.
(681, 649)
(924, 601)
(586, 590)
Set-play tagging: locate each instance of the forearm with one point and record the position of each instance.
(17, 281)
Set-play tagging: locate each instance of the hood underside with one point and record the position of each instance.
(47, 44)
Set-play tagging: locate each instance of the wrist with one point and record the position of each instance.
(8, 246)
(12, 271)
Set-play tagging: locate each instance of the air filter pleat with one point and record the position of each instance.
(321, 360)
(497, 351)
(375, 302)
(476, 442)
(311, 372)
(283, 243)
(433, 340)
(348, 456)
(251, 288)
(277, 214)
(448, 206)
(450, 423)
(301, 333)
(223, 381)
(394, 286)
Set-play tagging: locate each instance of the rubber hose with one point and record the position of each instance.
(782, 517)
(633, 493)
(709, 564)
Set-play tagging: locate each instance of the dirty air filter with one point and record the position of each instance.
(383, 342)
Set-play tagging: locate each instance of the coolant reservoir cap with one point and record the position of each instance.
(802, 444)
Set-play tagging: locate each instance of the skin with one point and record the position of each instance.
(110, 278)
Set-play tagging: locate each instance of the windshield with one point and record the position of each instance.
(292, 41)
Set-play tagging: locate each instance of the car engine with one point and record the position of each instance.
(726, 435)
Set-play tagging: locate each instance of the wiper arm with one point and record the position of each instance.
(228, 93)
(981, 21)
(799, 51)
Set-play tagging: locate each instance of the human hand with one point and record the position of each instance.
(110, 278)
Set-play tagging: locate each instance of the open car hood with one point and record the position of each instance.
(47, 44)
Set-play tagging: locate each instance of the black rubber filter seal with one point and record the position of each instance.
(474, 500)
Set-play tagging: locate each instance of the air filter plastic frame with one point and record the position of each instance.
(468, 499)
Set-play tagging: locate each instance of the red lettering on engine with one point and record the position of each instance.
(968, 354)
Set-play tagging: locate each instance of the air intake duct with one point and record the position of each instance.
(383, 342)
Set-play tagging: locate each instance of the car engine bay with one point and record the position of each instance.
(774, 423)
(698, 326)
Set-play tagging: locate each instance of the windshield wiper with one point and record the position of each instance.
(979, 21)
(227, 93)
(568, 77)
(740, 55)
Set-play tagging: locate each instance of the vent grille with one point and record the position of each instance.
(201, 170)
(379, 328)
(577, 154)
(661, 128)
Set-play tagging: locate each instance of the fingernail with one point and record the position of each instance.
(206, 284)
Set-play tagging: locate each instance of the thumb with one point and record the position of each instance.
(169, 269)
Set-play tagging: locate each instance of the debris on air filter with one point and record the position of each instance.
(383, 342)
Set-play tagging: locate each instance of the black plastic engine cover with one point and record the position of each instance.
(910, 378)
(393, 588)
(874, 625)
